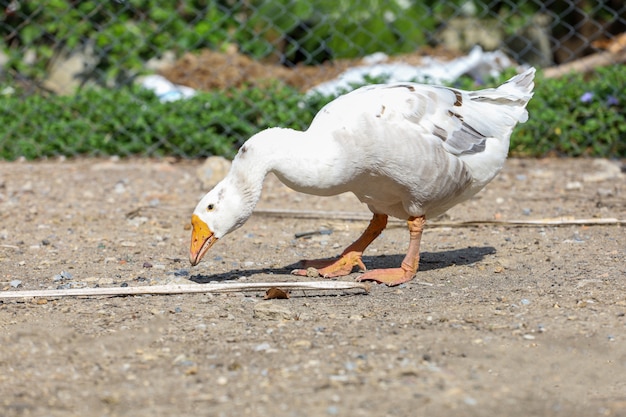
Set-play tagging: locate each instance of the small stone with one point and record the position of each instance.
(301, 344)
(119, 188)
(574, 186)
(15, 283)
(529, 337)
(272, 310)
(604, 170)
(105, 281)
(213, 171)
(64, 275)
(470, 401)
(147, 265)
(605, 192)
(262, 347)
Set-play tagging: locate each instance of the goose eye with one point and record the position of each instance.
(210, 207)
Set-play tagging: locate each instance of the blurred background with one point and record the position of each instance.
(197, 78)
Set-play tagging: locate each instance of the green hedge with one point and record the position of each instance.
(134, 122)
(577, 115)
(573, 116)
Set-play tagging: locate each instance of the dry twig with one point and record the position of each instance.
(366, 216)
(188, 289)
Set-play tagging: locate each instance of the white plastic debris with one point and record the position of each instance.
(477, 63)
(166, 90)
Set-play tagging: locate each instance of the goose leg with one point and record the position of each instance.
(410, 264)
(351, 257)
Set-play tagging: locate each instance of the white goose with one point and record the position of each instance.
(406, 150)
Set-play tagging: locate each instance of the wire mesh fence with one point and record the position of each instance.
(73, 73)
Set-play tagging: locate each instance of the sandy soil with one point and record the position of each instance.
(500, 321)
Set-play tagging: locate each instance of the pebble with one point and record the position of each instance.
(605, 170)
(605, 192)
(62, 276)
(470, 401)
(179, 273)
(272, 310)
(15, 283)
(574, 186)
(213, 171)
(105, 281)
(119, 188)
(262, 347)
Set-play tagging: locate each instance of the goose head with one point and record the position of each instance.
(221, 211)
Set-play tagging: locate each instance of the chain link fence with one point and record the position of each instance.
(71, 71)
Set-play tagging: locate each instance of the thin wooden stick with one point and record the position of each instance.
(366, 216)
(560, 221)
(188, 289)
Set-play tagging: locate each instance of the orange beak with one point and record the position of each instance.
(202, 239)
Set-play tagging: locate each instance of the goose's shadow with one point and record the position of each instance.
(428, 261)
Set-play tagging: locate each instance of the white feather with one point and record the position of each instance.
(403, 149)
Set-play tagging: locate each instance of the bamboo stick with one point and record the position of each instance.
(188, 289)
(366, 216)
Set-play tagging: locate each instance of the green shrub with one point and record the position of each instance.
(575, 115)
(340, 28)
(134, 122)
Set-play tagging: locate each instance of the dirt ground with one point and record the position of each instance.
(501, 320)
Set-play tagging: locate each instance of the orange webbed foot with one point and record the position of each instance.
(410, 264)
(331, 268)
(390, 276)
